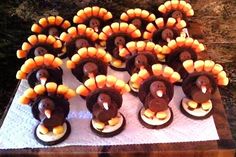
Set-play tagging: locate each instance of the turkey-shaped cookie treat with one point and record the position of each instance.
(52, 25)
(140, 55)
(138, 17)
(89, 62)
(179, 50)
(39, 45)
(93, 17)
(178, 9)
(103, 99)
(163, 30)
(115, 37)
(41, 69)
(156, 90)
(50, 106)
(78, 37)
(199, 87)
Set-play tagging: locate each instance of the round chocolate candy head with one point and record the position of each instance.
(42, 73)
(167, 34)
(177, 14)
(90, 68)
(203, 82)
(46, 106)
(95, 24)
(141, 60)
(185, 55)
(137, 22)
(40, 51)
(158, 89)
(158, 105)
(79, 43)
(156, 86)
(103, 98)
(115, 98)
(53, 31)
(119, 41)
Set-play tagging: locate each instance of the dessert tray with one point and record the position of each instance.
(17, 130)
(84, 101)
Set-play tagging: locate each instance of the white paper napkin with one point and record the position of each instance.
(18, 127)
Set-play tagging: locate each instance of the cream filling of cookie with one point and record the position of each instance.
(132, 88)
(109, 128)
(154, 120)
(198, 112)
(50, 136)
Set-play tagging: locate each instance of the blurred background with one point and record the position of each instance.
(216, 17)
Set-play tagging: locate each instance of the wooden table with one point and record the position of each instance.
(224, 147)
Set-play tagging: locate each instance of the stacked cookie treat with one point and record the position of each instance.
(154, 48)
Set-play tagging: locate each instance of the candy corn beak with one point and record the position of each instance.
(47, 113)
(159, 93)
(43, 80)
(120, 47)
(204, 89)
(105, 105)
(168, 39)
(90, 75)
(96, 29)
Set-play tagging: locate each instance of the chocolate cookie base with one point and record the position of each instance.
(54, 142)
(110, 134)
(192, 116)
(155, 126)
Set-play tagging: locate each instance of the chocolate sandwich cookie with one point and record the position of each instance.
(112, 46)
(88, 63)
(138, 17)
(93, 17)
(78, 37)
(52, 25)
(50, 106)
(115, 37)
(93, 63)
(76, 44)
(163, 30)
(110, 131)
(155, 123)
(180, 10)
(191, 91)
(135, 61)
(144, 88)
(62, 105)
(51, 139)
(104, 99)
(41, 69)
(199, 87)
(198, 113)
(51, 75)
(93, 96)
(39, 45)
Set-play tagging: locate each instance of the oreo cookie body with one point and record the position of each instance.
(199, 113)
(110, 131)
(78, 70)
(189, 82)
(50, 139)
(130, 62)
(55, 75)
(162, 124)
